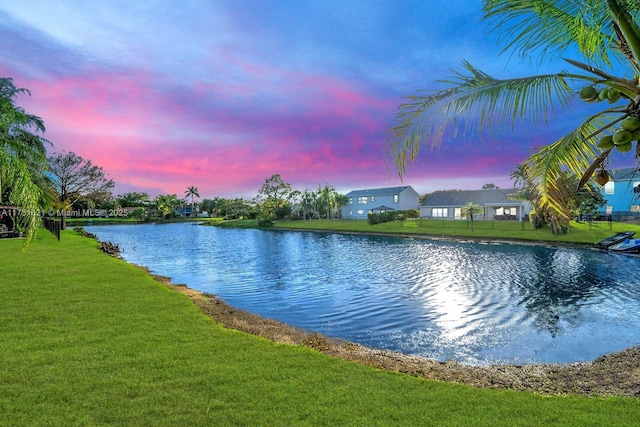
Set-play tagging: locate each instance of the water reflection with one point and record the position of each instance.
(446, 300)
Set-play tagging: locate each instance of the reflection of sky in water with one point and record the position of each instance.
(477, 303)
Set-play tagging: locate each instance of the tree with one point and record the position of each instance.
(327, 198)
(471, 209)
(308, 203)
(192, 192)
(98, 199)
(167, 204)
(22, 159)
(274, 195)
(210, 206)
(603, 32)
(527, 190)
(588, 202)
(340, 201)
(139, 213)
(73, 177)
(133, 200)
(490, 186)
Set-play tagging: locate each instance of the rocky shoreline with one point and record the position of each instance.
(616, 374)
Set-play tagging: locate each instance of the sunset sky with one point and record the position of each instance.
(221, 95)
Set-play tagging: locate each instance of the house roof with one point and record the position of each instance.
(461, 198)
(625, 174)
(378, 191)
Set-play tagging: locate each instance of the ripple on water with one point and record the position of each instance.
(445, 300)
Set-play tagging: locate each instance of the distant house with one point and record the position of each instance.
(622, 194)
(378, 200)
(185, 212)
(497, 204)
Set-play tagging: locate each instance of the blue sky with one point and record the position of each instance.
(223, 94)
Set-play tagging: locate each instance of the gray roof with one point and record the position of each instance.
(624, 174)
(461, 198)
(378, 191)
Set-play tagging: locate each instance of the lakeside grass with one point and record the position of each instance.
(88, 339)
(579, 232)
(78, 222)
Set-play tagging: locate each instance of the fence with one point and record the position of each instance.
(486, 224)
(491, 224)
(53, 226)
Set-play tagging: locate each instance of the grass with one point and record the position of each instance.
(90, 340)
(75, 221)
(579, 232)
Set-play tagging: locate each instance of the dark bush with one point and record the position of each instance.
(377, 218)
(265, 223)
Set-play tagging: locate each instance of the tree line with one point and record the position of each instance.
(37, 181)
(275, 199)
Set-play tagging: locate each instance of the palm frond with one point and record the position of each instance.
(627, 30)
(628, 87)
(549, 27)
(575, 154)
(475, 100)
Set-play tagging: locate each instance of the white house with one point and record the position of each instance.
(497, 204)
(376, 200)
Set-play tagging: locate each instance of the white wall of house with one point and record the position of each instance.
(362, 202)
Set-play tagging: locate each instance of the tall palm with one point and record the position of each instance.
(307, 203)
(22, 158)
(328, 193)
(192, 192)
(604, 32)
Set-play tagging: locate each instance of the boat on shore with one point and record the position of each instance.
(615, 239)
(627, 246)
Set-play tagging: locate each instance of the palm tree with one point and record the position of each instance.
(307, 203)
(604, 32)
(327, 194)
(192, 192)
(340, 201)
(22, 158)
(471, 209)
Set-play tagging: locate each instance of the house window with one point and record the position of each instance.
(363, 200)
(609, 187)
(395, 198)
(360, 212)
(609, 210)
(373, 198)
(635, 208)
(458, 213)
(439, 212)
(350, 213)
(350, 200)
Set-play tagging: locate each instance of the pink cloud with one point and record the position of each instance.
(226, 139)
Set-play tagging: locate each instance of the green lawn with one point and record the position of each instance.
(579, 232)
(87, 339)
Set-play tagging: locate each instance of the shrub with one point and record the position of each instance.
(377, 218)
(265, 223)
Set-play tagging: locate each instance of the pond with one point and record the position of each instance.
(471, 302)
